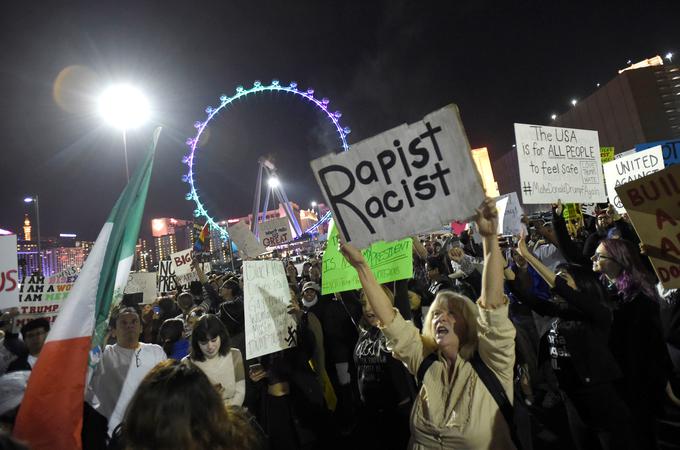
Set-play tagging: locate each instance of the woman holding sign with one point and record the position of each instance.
(464, 358)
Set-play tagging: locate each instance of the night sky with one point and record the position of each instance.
(381, 63)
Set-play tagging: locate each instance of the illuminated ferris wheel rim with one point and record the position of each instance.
(225, 100)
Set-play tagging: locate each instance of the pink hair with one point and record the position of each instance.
(633, 277)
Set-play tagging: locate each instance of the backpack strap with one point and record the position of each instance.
(424, 365)
(496, 390)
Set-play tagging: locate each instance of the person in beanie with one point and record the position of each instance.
(34, 334)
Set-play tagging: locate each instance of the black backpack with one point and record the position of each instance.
(494, 387)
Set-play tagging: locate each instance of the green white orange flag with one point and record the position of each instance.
(51, 414)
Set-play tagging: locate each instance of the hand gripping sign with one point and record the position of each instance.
(410, 179)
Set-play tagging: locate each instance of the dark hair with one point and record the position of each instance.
(294, 287)
(170, 332)
(176, 406)
(435, 262)
(586, 281)
(232, 283)
(633, 277)
(206, 328)
(119, 310)
(196, 288)
(34, 325)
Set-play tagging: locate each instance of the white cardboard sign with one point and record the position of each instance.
(559, 163)
(245, 240)
(9, 273)
(144, 282)
(510, 214)
(268, 326)
(630, 168)
(275, 232)
(410, 179)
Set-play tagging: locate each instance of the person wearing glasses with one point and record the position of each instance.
(636, 339)
(34, 334)
(576, 345)
(122, 367)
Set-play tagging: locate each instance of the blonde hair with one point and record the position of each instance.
(452, 301)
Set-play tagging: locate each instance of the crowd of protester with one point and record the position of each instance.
(558, 338)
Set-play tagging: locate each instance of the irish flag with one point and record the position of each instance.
(51, 414)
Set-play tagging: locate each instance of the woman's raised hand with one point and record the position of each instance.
(487, 218)
(352, 255)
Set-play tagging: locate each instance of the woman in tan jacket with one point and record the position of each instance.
(454, 409)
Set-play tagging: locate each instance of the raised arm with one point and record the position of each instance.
(492, 276)
(381, 304)
(545, 273)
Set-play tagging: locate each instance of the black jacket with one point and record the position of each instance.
(585, 325)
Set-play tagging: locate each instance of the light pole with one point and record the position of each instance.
(34, 199)
(124, 107)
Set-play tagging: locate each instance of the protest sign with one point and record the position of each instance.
(652, 205)
(509, 214)
(42, 296)
(624, 154)
(245, 241)
(407, 180)
(629, 168)
(606, 154)
(180, 267)
(389, 261)
(275, 232)
(164, 280)
(268, 326)
(669, 149)
(558, 163)
(9, 274)
(142, 282)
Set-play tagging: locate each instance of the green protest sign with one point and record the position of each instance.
(606, 154)
(389, 261)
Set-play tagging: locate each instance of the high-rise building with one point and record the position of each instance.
(640, 104)
(143, 256)
(170, 236)
(59, 259)
(27, 228)
(481, 158)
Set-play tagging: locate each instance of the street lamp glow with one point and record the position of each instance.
(273, 182)
(28, 199)
(573, 102)
(313, 204)
(669, 56)
(124, 107)
(553, 117)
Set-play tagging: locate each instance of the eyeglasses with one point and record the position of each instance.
(597, 257)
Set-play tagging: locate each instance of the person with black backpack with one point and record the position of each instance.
(464, 358)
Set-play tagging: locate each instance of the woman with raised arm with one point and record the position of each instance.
(454, 408)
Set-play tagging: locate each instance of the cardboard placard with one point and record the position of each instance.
(9, 273)
(275, 232)
(629, 168)
(559, 163)
(410, 179)
(268, 326)
(142, 282)
(389, 261)
(42, 296)
(652, 203)
(245, 241)
(509, 214)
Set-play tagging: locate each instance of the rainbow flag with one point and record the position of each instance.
(201, 241)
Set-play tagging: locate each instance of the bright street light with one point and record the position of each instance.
(124, 107)
(553, 117)
(669, 56)
(573, 102)
(273, 182)
(313, 204)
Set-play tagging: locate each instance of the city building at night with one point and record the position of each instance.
(170, 235)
